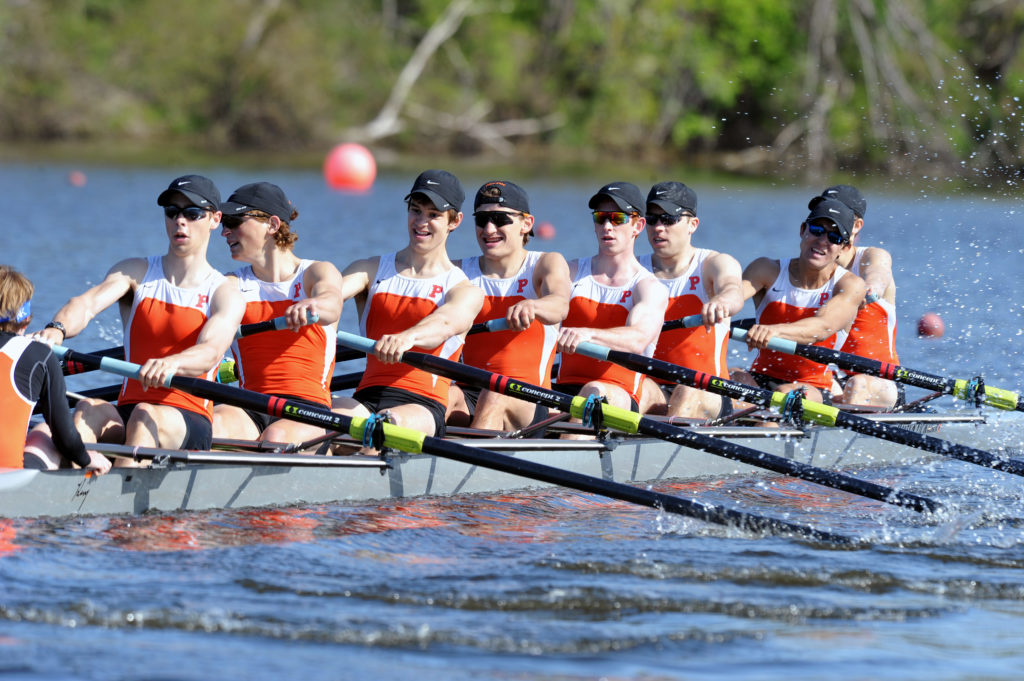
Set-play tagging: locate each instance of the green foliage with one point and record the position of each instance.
(935, 79)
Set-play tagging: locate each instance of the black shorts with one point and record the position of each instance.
(575, 388)
(379, 398)
(769, 383)
(263, 420)
(472, 396)
(198, 428)
(724, 410)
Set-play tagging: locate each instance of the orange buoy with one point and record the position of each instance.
(76, 178)
(545, 230)
(350, 167)
(930, 326)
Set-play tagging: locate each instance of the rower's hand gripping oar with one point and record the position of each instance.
(243, 331)
(375, 432)
(808, 410)
(968, 390)
(631, 422)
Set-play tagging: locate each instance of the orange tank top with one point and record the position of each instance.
(395, 303)
(524, 355)
(782, 303)
(166, 319)
(873, 333)
(299, 364)
(697, 348)
(596, 306)
(15, 406)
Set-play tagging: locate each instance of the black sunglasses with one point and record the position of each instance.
(833, 236)
(498, 218)
(665, 219)
(191, 213)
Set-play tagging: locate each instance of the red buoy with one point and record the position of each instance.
(76, 178)
(350, 167)
(545, 230)
(930, 326)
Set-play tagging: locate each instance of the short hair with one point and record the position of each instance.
(15, 291)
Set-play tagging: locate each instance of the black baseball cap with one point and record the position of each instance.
(848, 194)
(200, 190)
(263, 196)
(835, 211)
(626, 195)
(442, 188)
(508, 194)
(674, 198)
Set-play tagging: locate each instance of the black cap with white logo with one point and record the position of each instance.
(627, 197)
(837, 212)
(200, 190)
(442, 188)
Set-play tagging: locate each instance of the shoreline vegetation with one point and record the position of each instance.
(795, 89)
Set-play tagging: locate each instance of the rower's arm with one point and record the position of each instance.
(757, 277)
(355, 279)
(643, 325)
(76, 314)
(552, 285)
(322, 283)
(226, 310)
(726, 278)
(876, 271)
(836, 314)
(453, 318)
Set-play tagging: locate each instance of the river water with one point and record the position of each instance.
(552, 585)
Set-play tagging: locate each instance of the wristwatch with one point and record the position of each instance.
(59, 327)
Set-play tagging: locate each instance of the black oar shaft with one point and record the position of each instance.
(676, 434)
(415, 442)
(814, 411)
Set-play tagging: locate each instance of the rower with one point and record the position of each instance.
(615, 302)
(414, 299)
(31, 374)
(528, 289)
(810, 301)
(699, 281)
(180, 316)
(873, 333)
(296, 362)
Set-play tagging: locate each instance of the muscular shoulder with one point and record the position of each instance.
(762, 271)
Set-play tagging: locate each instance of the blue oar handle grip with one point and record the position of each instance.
(351, 340)
(114, 366)
(593, 350)
(496, 324)
(871, 297)
(777, 344)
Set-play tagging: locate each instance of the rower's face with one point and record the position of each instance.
(819, 249)
(669, 239)
(615, 229)
(247, 236)
(499, 240)
(188, 226)
(429, 226)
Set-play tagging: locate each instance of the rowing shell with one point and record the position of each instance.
(177, 482)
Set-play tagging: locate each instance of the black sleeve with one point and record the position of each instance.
(55, 410)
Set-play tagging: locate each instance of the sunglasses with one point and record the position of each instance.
(235, 221)
(833, 236)
(616, 217)
(498, 218)
(191, 213)
(665, 218)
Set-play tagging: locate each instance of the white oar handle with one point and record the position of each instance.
(777, 344)
(351, 340)
(497, 324)
(276, 323)
(114, 366)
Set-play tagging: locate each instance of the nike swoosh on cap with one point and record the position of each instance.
(432, 182)
(181, 182)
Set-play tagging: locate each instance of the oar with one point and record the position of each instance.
(232, 458)
(631, 422)
(968, 390)
(244, 330)
(810, 411)
(375, 432)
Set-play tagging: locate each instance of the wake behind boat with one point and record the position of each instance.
(181, 480)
